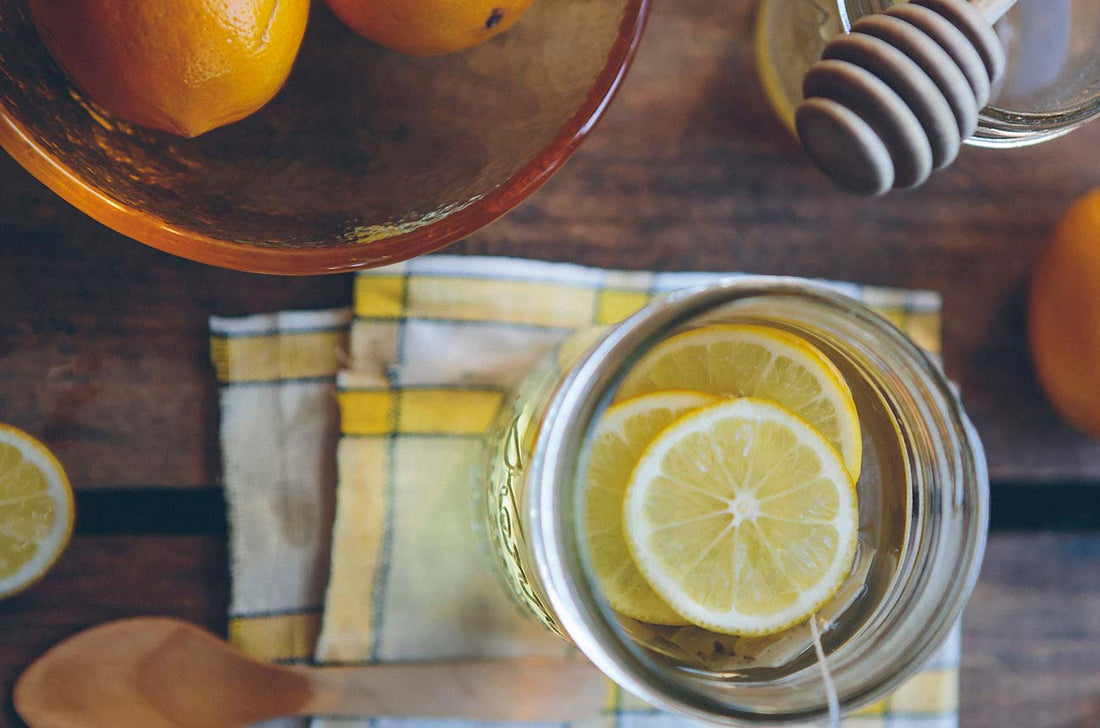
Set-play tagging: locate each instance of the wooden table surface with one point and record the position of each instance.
(103, 350)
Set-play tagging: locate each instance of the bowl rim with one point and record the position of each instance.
(151, 230)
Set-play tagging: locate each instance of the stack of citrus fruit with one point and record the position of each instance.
(189, 66)
(721, 486)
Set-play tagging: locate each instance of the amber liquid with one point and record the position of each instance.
(884, 502)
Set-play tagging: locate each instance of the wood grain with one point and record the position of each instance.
(103, 578)
(102, 341)
(1031, 634)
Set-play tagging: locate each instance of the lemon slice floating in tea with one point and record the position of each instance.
(743, 360)
(36, 510)
(618, 441)
(742, 517)
(789, 36)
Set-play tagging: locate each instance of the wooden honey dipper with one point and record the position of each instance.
(893, 99)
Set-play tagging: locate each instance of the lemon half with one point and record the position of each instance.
(745, 360)
(36, 510)
(742, 517)
(618, 441)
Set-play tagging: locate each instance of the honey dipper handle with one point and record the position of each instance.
(993, 10)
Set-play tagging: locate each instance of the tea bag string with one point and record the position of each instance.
(826, 676)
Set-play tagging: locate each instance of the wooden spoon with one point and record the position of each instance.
(164, 673)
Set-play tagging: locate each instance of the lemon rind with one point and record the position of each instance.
(60, 490)
(733, 621)
(794, 347)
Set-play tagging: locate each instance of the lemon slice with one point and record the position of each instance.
(742, 360)
(788, 38)
(742, 517)
(618, 441)
(36, 510)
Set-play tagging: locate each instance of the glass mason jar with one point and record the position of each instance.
(923, 500)
(1051, 85)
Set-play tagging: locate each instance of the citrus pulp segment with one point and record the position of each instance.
(742, 517)
(746, 360)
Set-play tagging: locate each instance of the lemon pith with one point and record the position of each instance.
(742, 517)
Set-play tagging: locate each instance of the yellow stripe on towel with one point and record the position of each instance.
(448, 411)
(275, 357)
(379, 296)
(276, 637)
(616, 304)
(932, 691)
(367, 412)
(924, 329)
(499, 301)
(356, 548)
(876, 708)
(428, 411)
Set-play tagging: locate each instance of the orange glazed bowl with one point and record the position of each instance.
(365, 157)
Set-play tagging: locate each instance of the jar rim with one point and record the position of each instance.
(1000, 126)
(556, 549)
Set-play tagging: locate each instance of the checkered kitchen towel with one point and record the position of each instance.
(380, 414)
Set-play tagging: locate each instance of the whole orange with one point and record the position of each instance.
(184, 66)
(428, 27)
(1064, 316)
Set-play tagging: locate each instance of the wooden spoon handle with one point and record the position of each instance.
(549, 690)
